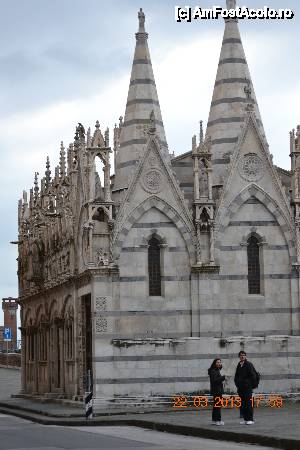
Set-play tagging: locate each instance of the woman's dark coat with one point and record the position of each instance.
(216, 382)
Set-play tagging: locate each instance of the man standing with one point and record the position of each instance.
(245, 380)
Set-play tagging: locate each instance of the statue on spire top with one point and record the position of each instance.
(141, 16)
(231, 4)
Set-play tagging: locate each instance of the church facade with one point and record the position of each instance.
(144, 276)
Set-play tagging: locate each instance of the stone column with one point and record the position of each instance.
(198, 242)
(211, 243)
(48, 371)
(196, 178)
(209, 182)
(106, 170)
(23, 360)
(62, 355)
(195, 303)
(36, 364)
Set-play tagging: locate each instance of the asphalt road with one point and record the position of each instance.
(19, 434)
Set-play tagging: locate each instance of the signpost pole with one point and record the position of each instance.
(7, 339)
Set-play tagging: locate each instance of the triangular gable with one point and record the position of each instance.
(251, 163)
(153, 176)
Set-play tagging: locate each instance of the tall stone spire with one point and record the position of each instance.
(233, 91)
(142, 99)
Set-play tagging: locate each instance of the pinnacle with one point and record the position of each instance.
(233, 97)
(141, 101)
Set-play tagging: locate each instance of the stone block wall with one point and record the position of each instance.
(10, 359)
(165, 367)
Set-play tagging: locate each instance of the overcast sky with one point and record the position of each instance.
(69, 61)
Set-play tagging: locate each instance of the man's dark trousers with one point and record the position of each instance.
(246, 408)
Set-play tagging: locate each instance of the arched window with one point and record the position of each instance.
(253, 266)
(154, 267)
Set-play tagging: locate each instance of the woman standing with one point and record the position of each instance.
(216, 390)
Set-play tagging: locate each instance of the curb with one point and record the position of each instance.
(267, 441)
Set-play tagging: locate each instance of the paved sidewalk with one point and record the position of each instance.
(274, 427)
(10, 382)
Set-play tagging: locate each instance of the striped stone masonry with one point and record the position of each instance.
(227, 111)
(142, 99)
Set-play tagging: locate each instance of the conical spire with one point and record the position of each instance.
(142, 99)
(233, 91)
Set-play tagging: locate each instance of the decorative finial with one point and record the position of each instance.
(248, 90)
(106, 137)
(201, 132)
(152, 126)
(194, 142)
(62, 160)
(141, 17)
(88, 137)
(81, 131)
(25, 197)
(97, 140)
(36, 186)
(48, 172)
(76, 137)
(31, 198)
(120, 121)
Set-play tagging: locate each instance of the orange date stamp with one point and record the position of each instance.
(233, 401)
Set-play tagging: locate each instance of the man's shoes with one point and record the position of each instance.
(243, 422)
(220, 423)
(249, 422)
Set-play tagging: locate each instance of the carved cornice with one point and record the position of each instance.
(85, 277)
(296, 267)
(45, 290)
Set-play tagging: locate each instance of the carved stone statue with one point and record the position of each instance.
(102, 259)
(231, 4)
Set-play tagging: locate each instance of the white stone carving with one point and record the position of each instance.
(153, 161)
(251, 167)
(152, 181)
(101, 258)
(101, 304)
(101, 324)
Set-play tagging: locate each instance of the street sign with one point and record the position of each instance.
(7, 334)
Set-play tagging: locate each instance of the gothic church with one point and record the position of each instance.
(144, 276)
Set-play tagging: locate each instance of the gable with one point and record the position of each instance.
(252, 164)
(153, 180)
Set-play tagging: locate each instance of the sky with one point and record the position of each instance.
(69, 61)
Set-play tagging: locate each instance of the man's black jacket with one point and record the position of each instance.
(216, 382)
(244, 376)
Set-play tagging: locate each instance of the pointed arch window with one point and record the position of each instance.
(253, 266)
(154, 270)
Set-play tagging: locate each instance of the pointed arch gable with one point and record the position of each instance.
(53, 310)
(40, 313)
(27, 317)
(253, 190)
(156, 202)
(67, 304)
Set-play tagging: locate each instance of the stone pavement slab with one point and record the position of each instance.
(10, 382)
